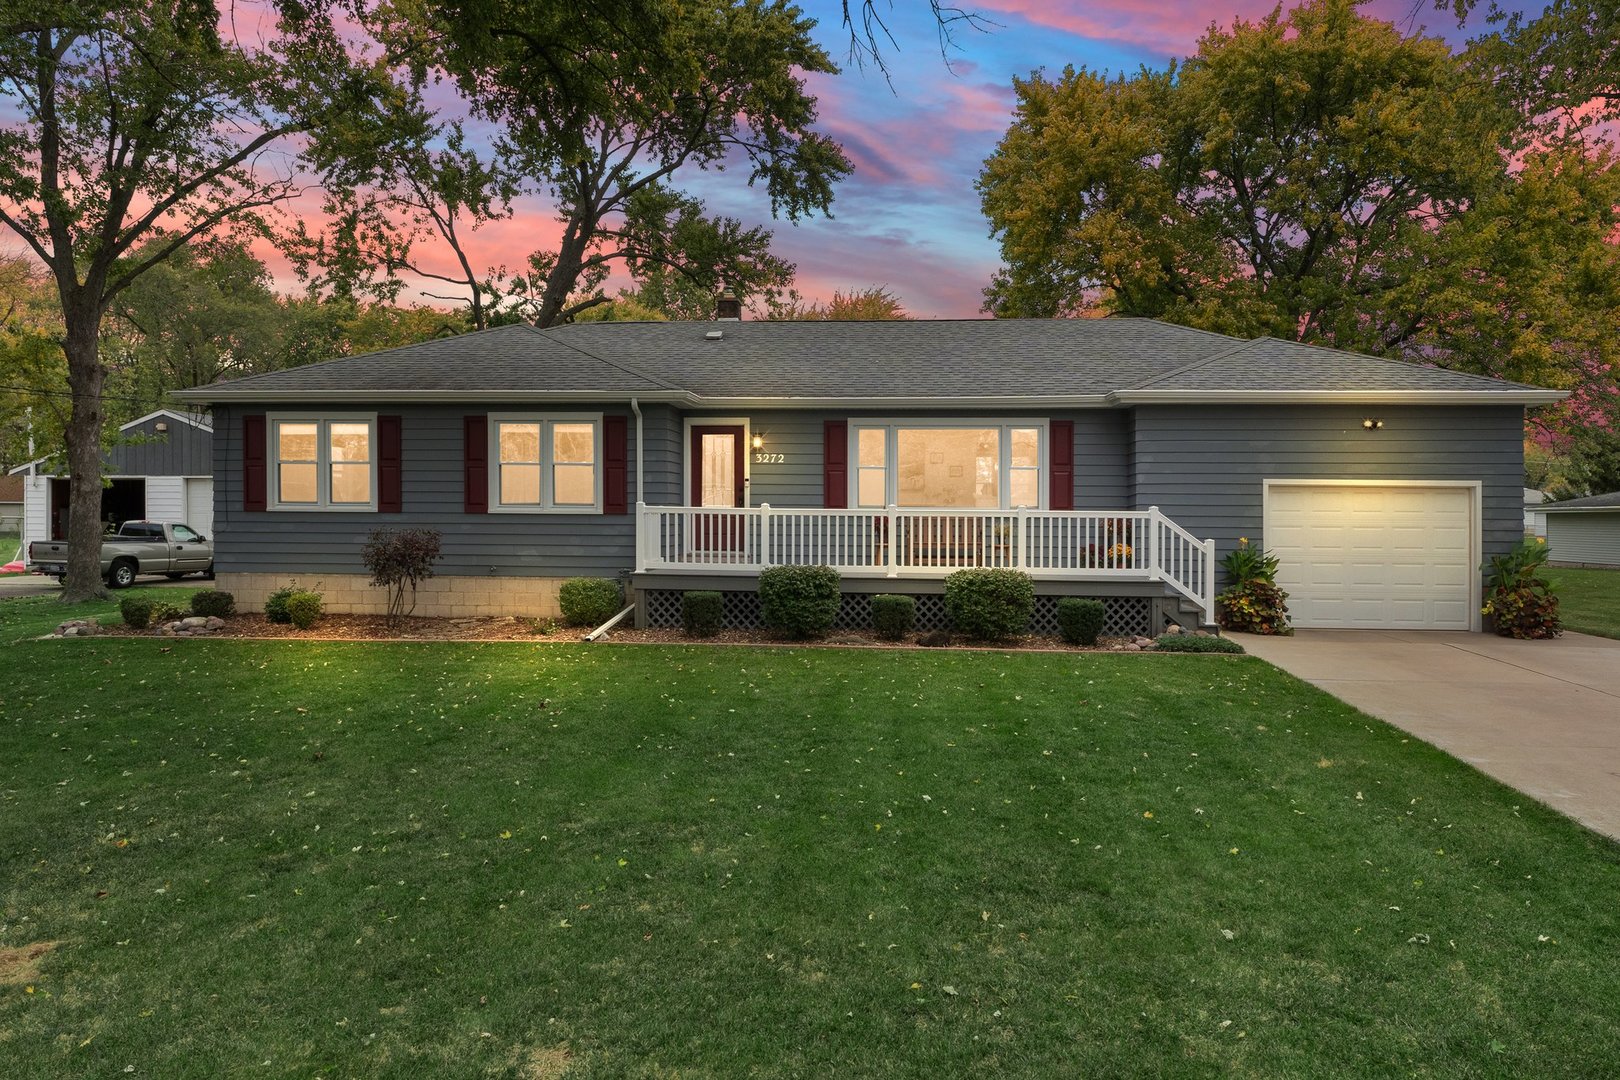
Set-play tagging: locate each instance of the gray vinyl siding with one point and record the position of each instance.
(183, 450)
(1589, 537)
(485, 545)
(1101, 449)
(661, 427)
(1204, 465)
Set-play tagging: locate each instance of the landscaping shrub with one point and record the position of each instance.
(799, 601)
(1080, 620)
(213, 602)
(163, 612)
(588, 601)
(303, 608)
(989, 605)
(137, 612)
(1521, 601)
(1252, 601)
(275, 605)
(1194, 643)
(893, 617)
(700, 613)
(397, 559)
(1258, 607)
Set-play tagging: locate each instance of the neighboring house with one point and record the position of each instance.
(160, 469)
(1535, 519)
(1115, 458)
(11, 505)
(1584, 532)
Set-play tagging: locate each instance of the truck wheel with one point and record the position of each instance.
(122, 574)
(209, 573)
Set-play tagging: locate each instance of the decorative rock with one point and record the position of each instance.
(1143, 642)
(167, 631)
(215, 622)
(1174, 628)
(1132, 647)
(1200, 633)
(194, 620)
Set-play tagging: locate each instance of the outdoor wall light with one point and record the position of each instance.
(1372, 425)
(757, 442)
(160, 427)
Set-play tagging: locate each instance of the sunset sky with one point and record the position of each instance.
(909, 218)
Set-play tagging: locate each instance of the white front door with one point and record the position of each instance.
(1375, 555)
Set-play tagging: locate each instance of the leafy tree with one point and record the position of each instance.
(873, 303)
(600, 108)
(1559, 67)
(1314, 176)
(132, 128)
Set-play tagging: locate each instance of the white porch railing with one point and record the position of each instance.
(1076, 545)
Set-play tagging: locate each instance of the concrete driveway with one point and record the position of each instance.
(1542, 716)
(38, 585)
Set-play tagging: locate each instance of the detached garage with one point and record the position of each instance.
(1377, 554)
(161, 470)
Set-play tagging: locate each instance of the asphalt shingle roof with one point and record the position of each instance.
(1609, 501)
(978, 358)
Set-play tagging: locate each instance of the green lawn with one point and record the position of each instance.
(1589, 600)
(8, 546)
(302, 859)
(32, 616)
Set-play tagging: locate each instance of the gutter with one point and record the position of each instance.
(641, 492)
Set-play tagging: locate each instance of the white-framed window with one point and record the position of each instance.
(966, 463)
(323, 462)
(545, 463)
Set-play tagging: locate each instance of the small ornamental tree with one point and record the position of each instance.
(398, 559)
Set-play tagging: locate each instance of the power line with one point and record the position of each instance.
(71, 394)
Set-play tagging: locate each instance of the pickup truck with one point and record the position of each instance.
(138, 547)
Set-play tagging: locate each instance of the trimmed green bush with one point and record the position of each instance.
(800, 601)
(303, 609)
(989, 605)
(893, 617)
(137, 612)
(589, 601)
(700, 613)
(275, 605)
(1194, 643)
(166, 613)
(1080, 620)
(213, 602)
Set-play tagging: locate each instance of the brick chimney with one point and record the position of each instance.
(727, 308)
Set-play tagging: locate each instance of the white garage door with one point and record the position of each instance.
(200, 506)
(1374, 557)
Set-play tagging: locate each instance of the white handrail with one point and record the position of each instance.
(897, 542)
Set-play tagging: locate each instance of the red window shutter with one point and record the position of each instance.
(835, 464)
(390, 470)
(475, 464)
(615, 465)
(255, 445)
(1061, 436)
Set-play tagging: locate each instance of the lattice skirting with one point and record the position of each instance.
(740, 611)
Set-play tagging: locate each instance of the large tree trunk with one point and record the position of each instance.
(85, 378)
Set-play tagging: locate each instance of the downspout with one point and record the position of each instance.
(641, 492)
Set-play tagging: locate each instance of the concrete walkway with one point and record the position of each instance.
(1542, 716)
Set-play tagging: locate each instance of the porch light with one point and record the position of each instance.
(1371, 424)
(160, 427)
(757, 442)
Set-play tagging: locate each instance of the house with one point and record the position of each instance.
(1115, 458)
(161, 467)
(1535, 519)
(1584, 532)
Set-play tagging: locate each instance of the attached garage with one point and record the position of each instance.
(1377, 554)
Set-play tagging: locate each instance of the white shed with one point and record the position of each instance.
(161, 470)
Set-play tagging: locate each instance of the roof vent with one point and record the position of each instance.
(715, 335)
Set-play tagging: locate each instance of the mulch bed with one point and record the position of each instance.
(340, 627)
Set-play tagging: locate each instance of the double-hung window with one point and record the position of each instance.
(324, 462)
(546, 463)
(948, 464)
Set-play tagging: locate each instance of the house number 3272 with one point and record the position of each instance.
(769, 459)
